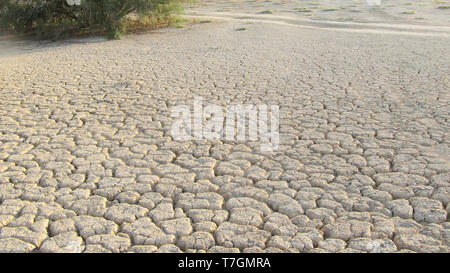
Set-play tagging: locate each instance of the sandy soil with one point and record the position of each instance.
(417, 12)
(88, 162)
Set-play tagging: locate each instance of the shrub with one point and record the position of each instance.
(57, 17)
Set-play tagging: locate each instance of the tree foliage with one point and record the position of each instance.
(53, 17)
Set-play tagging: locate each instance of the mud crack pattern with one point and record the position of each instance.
(87, 163)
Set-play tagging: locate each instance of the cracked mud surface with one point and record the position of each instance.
(87, 162)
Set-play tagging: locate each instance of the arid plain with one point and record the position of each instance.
(88, 164)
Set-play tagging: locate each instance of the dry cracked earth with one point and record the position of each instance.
(88, 164)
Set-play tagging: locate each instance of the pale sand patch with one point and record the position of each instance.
(417, 12)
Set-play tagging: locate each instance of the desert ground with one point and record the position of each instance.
(88, 164)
